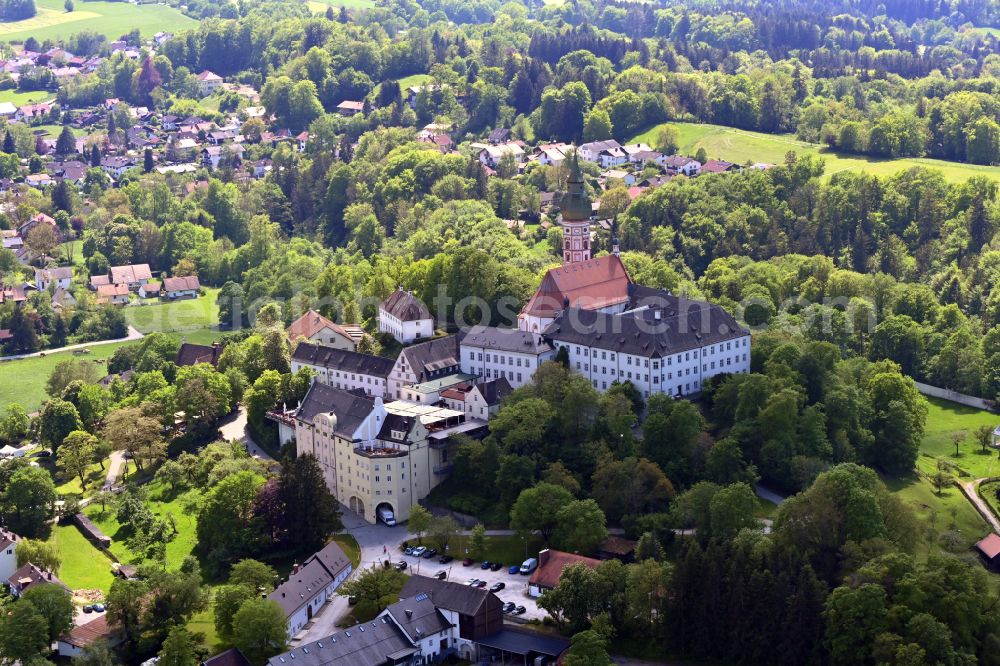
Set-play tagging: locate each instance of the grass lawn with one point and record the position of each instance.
(84, 567)
(94, 476)
(54, 131)
(161, 502)
(18, 98)
(174, 316)
(112, 19)
(937, 513)
(742, 146)
(23, 381)
(944, 419)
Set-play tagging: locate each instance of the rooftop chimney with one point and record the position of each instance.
(409, 613)
(295, 568)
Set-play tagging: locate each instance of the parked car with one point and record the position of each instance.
(513, 569)
(409, 550)
(445, 559)
(431, 552)
(419, 551)
(473, 582)
(509, 607)
(401, 565)
(88, 609)
(441, 575)
(468, 562)
(520, 610)
(481, 583)
(352, 600)
(528, 566)
(99, 608)
(485, 564)
(496, 566)
(496, 587)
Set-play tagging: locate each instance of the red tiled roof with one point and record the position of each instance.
(311, 323)
(551, 564)
(590, 285)
(989, 546)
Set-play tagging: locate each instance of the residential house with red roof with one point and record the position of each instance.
(551, 564)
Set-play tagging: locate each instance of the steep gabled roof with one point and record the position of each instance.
(192, 354)
(551, 564)
(404, 306)
(311, 323)
(186, 283)
(432, 356)
(593, 284)
(446, 594)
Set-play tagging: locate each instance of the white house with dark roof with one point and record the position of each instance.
(405, 317)
(61, 277)
(424, 362)
(180, 287)
(311, 585)
(510, 353)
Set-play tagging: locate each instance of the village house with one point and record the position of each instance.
(32, 111)
(7, 110)
(61, 277)
(719, 166)
(314, 327)
(116, 165)
(607, 153)
(208, 82)
(150, 290)
(82, 635)
(41, 218)
(211, 156)
(175, 288)
(63, 299)
(349, 108)
(30, 576)
(311, 585)
(344, 368)
(132, 275)
(491, 156)
(677, 164)
(405, 317)
(112, 294)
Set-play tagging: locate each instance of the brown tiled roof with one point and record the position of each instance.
(551, 564)
(191, 354)
(85, 634)
(29, 575)
(109, 290)
(594, 284)
(186, 283)
(7, 538)
(311, 323)
(404, 306)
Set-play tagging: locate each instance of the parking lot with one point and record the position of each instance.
(516, 585)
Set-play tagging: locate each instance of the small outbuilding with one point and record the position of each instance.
(989, 549)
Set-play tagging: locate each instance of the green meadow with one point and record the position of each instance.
(742, 146)
(112, 19)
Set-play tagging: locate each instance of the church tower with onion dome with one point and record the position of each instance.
(574, 216)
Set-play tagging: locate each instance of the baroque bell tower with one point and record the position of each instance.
(574, 216)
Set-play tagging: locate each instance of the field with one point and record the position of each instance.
(23, 381)
(947, 511)
(741, 146)
(112, 19)
(175, 316)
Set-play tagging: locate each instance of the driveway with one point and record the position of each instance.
(380, 542)
(115, 464)
(235, 427)
(133, 334)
